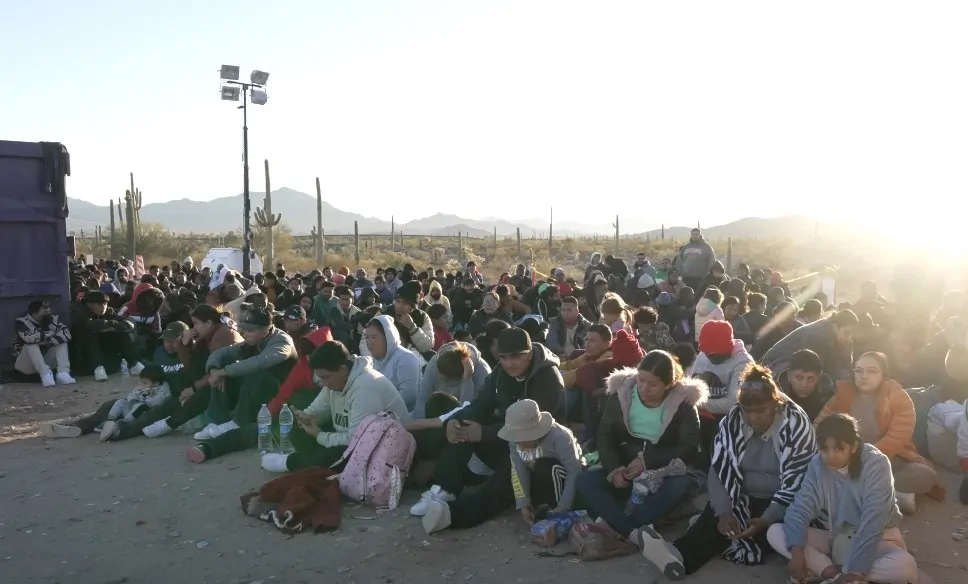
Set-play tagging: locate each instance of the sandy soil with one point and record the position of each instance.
(79, 512)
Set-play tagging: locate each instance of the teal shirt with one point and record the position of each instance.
(645, 422)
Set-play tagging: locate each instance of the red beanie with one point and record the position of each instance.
(716, 338)
(626, 350)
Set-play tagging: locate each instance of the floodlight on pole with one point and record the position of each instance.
(235, 90)
(229, 72)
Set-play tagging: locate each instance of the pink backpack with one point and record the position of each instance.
(377, 461)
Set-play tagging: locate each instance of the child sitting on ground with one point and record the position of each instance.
(152, 391)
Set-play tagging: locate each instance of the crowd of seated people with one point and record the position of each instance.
(670, 380)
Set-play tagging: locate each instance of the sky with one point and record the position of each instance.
(664, 112)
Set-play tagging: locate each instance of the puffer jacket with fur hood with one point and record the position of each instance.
(617, 446)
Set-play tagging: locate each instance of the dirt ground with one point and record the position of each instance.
(80, 512)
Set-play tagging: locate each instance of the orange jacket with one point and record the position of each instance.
(895, 417)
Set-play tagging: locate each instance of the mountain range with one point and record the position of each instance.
(299, 213)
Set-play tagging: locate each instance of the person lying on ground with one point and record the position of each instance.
(350, 390)
(545, 466)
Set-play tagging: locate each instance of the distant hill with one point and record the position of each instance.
(299, 213)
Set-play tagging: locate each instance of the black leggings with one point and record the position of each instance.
(547, 483)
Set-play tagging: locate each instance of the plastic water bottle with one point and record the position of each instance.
(124, 367)
(285, 427)
(264, 421)
(635, 501)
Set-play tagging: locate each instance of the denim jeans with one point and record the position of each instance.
(601, 498)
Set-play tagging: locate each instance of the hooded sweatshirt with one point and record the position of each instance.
(301, 376)
(465, 390)
(429, 299)
(618, 445)
(399, 365)
(558, 444)
(706, 310)
(721, 374)
(542, 383)
(695, 259)
(867, 505)
(274, 350)
(366, 392)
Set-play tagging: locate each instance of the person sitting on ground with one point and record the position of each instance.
(761, 453)
(598, 342)
(616, 314)
(415, 328)
(297, 323)
(805, 382)
(733, 311)
(243, 377)
(650, 420)
(390, 359)
(545, 466)
(210, 331)
(490, 310)
(830, 338)
(755, 316)
(458, 370)
(438, 316)
(708, 309)
(652, 334)
(720, 364)
(40, 346)
(99, 333)
(526, 371)
(152, 392)
(340, 319)
(776, 328)
(864, 542)
(886, 416)
(350, 389)
(812, 311)
(566, 332)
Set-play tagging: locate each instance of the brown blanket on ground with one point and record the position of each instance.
(304, 500)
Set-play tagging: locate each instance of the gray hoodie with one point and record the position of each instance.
(273, 350)
(399, 365)
(722, 378)
(695, 259)
(366, 392)
(558, 444)
(464, 389)
(865, 505)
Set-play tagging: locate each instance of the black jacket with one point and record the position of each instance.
(813, 403)
(543, 384)
(680, 436)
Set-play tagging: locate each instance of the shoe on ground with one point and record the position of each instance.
(907, 503)
(434, 494)
(64, 378)
(100, 374)
(156, 429)
(660, 553)
(55, 430)
(437, 517)
(195, 454)
(275, 462)
(109, 430)
(47, 380)
(215, 430)
(137, 369)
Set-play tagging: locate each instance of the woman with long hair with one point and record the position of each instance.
(760, 455)
(852, 482)
(886, 418)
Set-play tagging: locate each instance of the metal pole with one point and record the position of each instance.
(246, 204)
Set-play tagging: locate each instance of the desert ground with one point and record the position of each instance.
(75, 511)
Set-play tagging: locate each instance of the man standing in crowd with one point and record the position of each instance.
(694, 260)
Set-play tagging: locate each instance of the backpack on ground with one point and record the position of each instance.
(375, 464)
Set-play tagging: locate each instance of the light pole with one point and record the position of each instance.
(234, 90)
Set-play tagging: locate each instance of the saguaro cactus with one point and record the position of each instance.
(393, 234)
(320, 238)
(136, 208)
(132, 250)
(615, 225)
(113, 248)
(120, 214)
(266, 220)
(519, 244)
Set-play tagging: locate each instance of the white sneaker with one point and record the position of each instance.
(215, 430)
(660, 553)
(437, 517)
(906, 503)
(138, 368)
(275, 462)
(47, 380)
(109, 430)
(55, 430)
(64, 378)
(157, 429)
(100, 374)
(434, 494)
